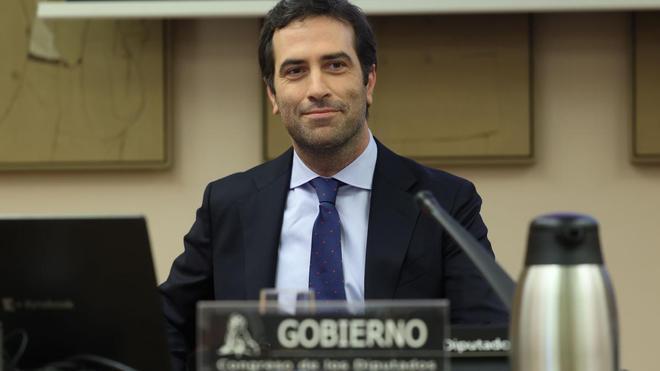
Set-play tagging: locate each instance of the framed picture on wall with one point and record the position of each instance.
(81, 94)
(451, 89)
(646, 122)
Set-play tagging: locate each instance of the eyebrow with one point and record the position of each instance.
(327, 57)
(340, 55)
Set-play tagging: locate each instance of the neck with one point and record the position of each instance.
(329, 162)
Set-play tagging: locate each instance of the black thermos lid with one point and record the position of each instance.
(564, 239)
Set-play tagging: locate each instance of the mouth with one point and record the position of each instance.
(321, 113)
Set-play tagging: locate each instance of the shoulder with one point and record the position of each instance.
(237, 186)
(452, 192)
(435, 177)
(396, 166)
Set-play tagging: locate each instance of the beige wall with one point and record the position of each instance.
(582, 90)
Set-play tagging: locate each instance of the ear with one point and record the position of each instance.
(371, 84)
(273, 101)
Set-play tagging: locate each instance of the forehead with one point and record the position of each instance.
(313, 37)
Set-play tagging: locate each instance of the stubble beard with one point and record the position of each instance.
(341, 141)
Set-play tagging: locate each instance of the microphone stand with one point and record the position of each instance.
(499, 280)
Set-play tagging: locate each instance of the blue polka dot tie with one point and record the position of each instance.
(326, 275)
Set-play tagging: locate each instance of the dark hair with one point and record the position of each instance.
(287, 11)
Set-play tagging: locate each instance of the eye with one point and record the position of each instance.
(336, 66)
(294, 72)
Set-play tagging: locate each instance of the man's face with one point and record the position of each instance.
(319, 89)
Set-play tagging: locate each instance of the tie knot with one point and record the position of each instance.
(326, 188)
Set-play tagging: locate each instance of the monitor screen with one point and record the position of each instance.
(79, 288)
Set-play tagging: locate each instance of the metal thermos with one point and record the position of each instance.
(564, 314)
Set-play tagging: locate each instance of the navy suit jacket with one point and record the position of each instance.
(231, 250)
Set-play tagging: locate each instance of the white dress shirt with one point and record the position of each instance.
(302, 207)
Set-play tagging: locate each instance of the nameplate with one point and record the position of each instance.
(375, 336)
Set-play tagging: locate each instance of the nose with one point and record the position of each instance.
(318, 89)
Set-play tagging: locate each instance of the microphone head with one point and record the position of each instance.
(426, 200)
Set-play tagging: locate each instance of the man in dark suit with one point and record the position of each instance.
(335, 213)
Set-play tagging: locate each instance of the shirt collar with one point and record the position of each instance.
(359, 173)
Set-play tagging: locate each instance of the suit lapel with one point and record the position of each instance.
(261, 218)
(392, 218)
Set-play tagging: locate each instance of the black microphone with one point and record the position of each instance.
(496, 276)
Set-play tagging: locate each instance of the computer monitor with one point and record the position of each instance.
(81, 286)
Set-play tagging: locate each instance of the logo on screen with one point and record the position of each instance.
(8, 305)
(238, 340)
